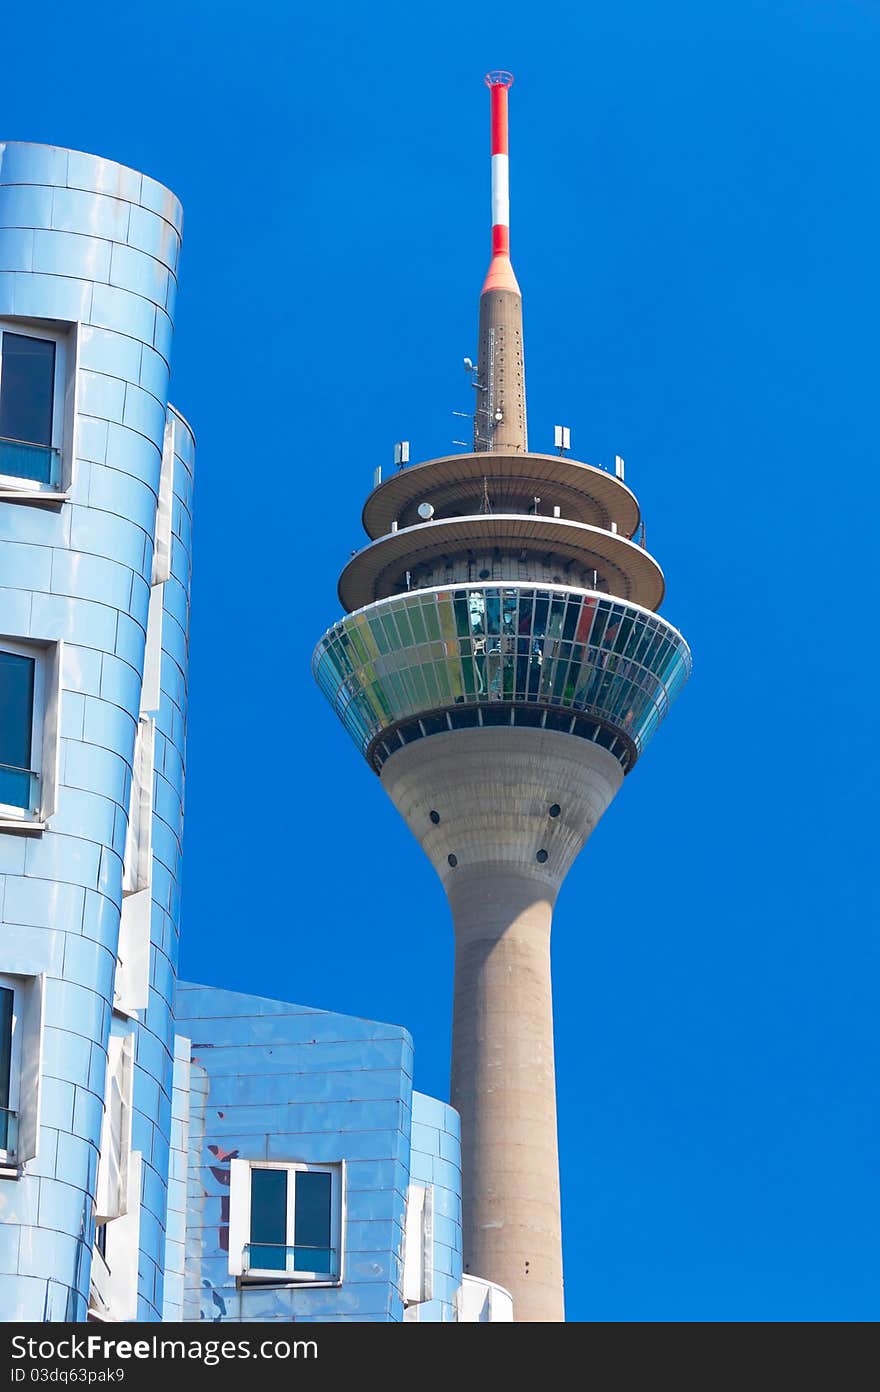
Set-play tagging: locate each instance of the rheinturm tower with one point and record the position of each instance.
(502, 667)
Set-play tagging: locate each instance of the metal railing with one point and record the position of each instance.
(25, 460)
(289, 1261)
(19, 787)
(8, 1132)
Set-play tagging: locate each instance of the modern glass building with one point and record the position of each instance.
(164, 1154)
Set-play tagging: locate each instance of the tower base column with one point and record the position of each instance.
(502, 812)
(503, 1085)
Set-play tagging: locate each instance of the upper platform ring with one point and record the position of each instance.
(453, 484)
(374, 572)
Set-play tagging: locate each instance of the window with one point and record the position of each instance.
(20, 699)
(9, 1070)
(21, 1034)
(285, 1221)
(29, 693)
(34, 402)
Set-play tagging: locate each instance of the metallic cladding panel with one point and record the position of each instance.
(275, 1081)
(435, 1159)
(175, 1230)
(87, 241)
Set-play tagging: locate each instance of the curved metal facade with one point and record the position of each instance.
(479, 645)
(435, 1159)
(92, 247)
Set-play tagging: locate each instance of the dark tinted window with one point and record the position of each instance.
(6, 1001)
(268, 1219)
(16, 724)
(27, 387)
(311, 1224)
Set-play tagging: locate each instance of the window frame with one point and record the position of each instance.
(113, 1287)
(9, 1154)
(64, 336)
(26, 1069)
(418, 1244)
(112, 1180)
(240, 1221)
(9, 811)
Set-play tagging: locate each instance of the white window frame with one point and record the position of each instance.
(111, 1191)
(26, 1069)
(137, 858)
(113, 1292)
(165, 507)
(131, 985)
(65, 338)
(10, 983)
(418, 1245)
(45, 743)
(240, 1221)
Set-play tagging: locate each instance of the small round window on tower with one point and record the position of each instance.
(453, 860)
(541, 857)
(484, 574)
(435, 817)
(554, 810)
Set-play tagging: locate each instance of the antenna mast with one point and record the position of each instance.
(500, 417)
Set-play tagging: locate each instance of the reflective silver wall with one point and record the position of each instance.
(89, 249)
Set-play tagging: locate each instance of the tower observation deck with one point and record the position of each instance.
(502, 667)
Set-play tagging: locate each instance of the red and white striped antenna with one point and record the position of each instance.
(500, 275)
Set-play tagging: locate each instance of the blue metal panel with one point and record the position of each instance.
(99, 175)
(76, 210)
(71, 254)
(24, 206)
(16, 249)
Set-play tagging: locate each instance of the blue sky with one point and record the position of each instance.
(694, 209)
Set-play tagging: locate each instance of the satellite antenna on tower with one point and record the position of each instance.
(562, 438)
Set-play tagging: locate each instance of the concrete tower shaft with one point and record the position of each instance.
(502, 814)
(500, 415)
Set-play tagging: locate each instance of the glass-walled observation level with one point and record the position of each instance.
(433, 660)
